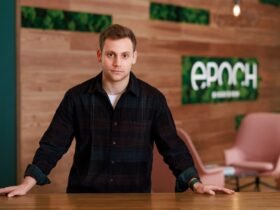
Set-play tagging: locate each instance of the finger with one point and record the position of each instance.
(210, 192)
(7, 189)
(222, 189)
(228, 191)
(12, 194)
(225, 190)
(16, 192)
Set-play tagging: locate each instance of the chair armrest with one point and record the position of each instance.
(254, 165)
(233, 155)
(275, 172)
(213, 176)
(217, 169)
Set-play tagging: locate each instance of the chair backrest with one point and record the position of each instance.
(259, 137)
(162, 178)
(197, 160)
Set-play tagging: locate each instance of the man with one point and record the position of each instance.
(115, 119)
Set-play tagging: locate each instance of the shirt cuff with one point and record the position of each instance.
(37, 174)
(182, 181)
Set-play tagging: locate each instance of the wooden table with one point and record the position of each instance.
(158, 201)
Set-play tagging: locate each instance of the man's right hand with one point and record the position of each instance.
(20, 189)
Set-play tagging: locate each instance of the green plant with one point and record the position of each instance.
(272, 2)
(169, 12)
(49, 19)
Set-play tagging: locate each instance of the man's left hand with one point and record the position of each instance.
(210, 189)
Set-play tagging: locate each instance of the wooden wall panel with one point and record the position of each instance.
(53, 61)
(177, 31)
(134, 9)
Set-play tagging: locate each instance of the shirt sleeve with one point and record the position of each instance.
(37, 174)
(182, 181)
(54, 143)
(173, 149)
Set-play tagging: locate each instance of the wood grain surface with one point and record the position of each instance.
(161, 201)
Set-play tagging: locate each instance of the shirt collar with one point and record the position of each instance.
(132, 87)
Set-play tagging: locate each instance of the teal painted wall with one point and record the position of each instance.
(7, 93)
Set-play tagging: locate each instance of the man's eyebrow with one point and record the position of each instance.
(111, 51)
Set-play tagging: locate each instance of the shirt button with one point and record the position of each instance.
(111, 180)
(115, 123)
(114, 142)
(113, 162)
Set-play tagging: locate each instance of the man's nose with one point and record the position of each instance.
(117, 61)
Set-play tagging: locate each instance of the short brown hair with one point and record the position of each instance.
(117, 31)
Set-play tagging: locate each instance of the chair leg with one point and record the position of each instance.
(237, 184)
(257, 182)
(277, 180)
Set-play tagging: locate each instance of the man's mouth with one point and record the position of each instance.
(116, 71)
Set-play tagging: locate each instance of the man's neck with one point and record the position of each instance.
(114, 87)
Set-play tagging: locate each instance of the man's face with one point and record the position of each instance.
(117, 58)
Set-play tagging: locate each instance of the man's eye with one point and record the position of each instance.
(125, 55)
(110, 55)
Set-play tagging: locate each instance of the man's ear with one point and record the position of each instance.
(99, 55)
(134, 57)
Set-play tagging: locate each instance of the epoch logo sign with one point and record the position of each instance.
(207, 80)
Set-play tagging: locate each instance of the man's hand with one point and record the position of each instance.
(210, 189)
(21, 189)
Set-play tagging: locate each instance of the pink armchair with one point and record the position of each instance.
(257, 148)
(164, 181)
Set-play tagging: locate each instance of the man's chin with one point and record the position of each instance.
(118, 78)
